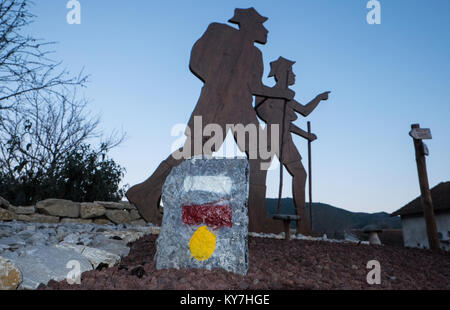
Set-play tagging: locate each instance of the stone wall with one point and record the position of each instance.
(66, 211)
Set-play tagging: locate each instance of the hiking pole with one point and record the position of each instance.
(310, 178)
(280, 190)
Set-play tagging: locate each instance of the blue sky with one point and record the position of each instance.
(383, 78)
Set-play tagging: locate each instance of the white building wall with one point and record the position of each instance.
(415, 232)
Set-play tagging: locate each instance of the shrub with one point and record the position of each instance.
(81, 175)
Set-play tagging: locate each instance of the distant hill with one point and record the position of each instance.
(334, 221)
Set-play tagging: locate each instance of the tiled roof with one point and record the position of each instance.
(440, 194)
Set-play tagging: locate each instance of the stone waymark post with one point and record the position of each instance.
(421, 150)
(205, 222)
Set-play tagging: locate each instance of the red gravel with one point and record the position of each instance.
(277, 264)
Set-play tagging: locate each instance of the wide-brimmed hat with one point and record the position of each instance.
(249, 15)
(280, 65)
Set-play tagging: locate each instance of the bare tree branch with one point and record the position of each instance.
(24, 63)
(42, 118)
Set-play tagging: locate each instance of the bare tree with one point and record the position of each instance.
(37, 139)
(42, 119)
(25, 66)
(41, 130)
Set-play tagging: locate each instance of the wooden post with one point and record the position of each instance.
(426, 200)
(280, 190)
(287, 229)
(310, 179)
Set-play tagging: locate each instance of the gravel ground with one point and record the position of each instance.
(277, 264)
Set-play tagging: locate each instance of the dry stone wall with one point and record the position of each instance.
(66, 211)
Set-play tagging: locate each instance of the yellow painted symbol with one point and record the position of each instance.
(202, 244)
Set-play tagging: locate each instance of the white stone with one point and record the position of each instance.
(127, 236)
(93, 255)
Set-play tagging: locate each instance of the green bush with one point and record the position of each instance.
(82, 175)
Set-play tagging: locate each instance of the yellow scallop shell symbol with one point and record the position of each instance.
(202, 244)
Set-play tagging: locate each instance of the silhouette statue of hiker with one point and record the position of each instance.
(231, 67)
(273, 111)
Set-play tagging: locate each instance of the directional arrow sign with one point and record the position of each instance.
(420, 133)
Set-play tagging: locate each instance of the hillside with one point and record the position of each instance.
(334, 221)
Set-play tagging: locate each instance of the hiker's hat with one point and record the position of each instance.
(249, 15)
(280, 65)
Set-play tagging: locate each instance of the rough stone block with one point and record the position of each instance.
(22, 210)
(93, 255)
(117, 247)
(41, 263)
(140, 222)
(6, 215)
(205, 222)
(42, 218)
(91, 210)
(123, 205)
(118, 216)
(71, 220)
(126, 236)
(4, 203)
(10, 275)
(135, 215)
(102, 222)
(59, 207)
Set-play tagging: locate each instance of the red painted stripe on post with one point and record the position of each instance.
(212, 215)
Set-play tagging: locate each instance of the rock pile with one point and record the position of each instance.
(56, 236)
(66, 211)
(34, 253)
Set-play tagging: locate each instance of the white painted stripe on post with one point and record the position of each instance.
(210, 183)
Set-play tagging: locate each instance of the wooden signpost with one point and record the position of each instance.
(418, 134)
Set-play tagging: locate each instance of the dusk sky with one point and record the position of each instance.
(383, 78)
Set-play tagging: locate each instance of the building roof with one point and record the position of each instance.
(440, 194)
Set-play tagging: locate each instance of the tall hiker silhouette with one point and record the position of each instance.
(231, 67)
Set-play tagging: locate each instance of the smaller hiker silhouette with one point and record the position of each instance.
(272, 111)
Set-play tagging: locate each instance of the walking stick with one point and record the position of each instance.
(281, 146)
(310, 178)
